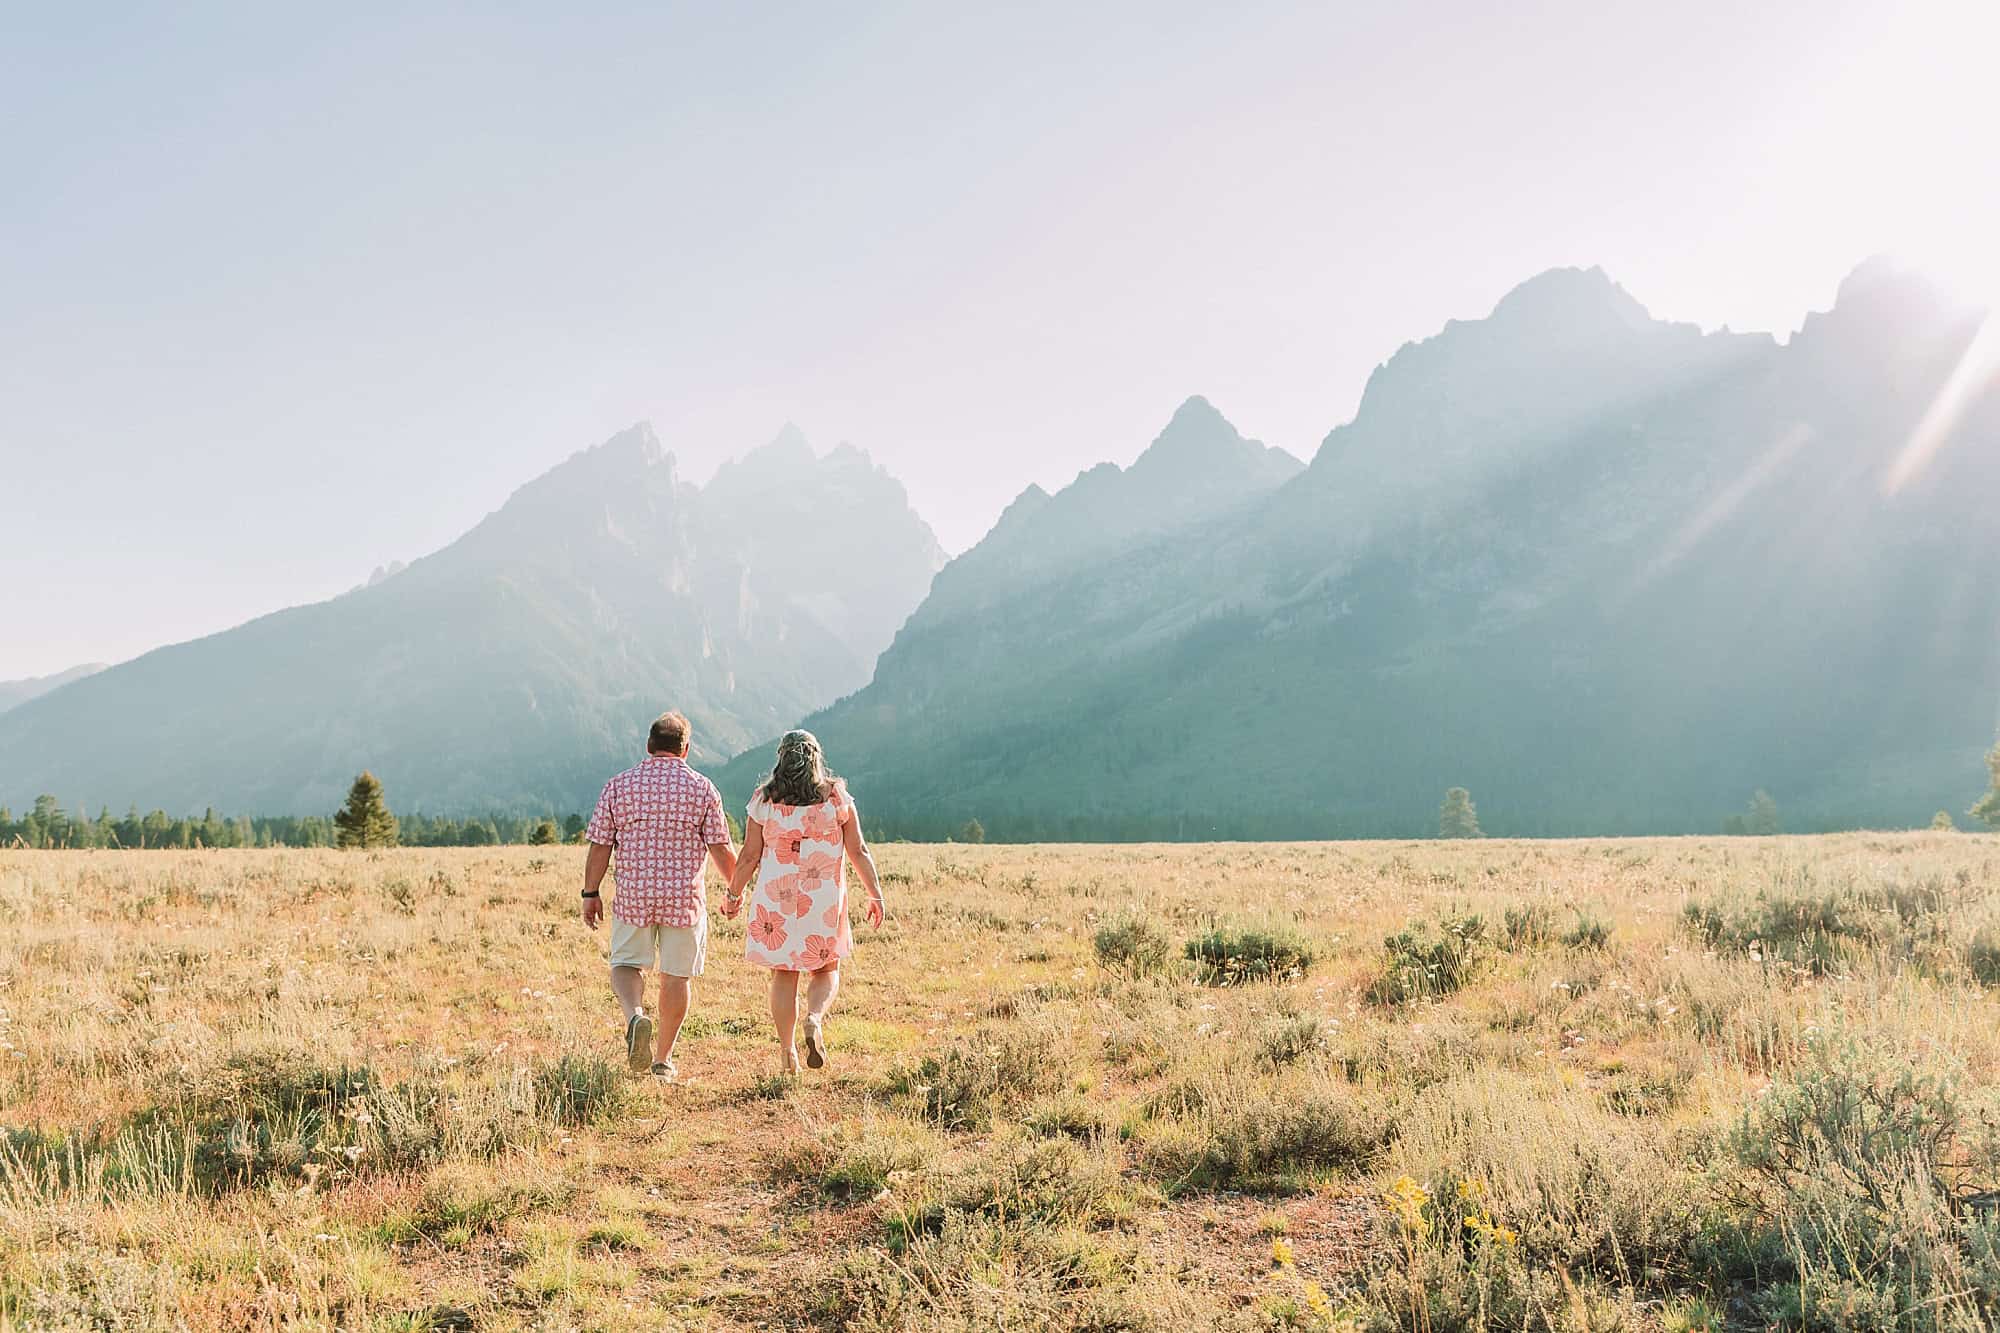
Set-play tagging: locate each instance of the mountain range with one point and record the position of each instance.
(517, 667)
(1611, 573)
(14, 693)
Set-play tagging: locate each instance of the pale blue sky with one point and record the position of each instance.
(285, 294)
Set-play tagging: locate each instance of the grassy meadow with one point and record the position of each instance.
(1662, 1084)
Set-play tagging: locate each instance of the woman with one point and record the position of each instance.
(800, 833)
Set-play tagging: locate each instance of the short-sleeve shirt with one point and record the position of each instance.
(660, 819)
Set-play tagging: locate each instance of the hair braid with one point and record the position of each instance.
(800, 776)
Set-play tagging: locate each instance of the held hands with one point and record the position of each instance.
(732, 903)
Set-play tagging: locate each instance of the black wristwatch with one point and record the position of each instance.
(590, 893)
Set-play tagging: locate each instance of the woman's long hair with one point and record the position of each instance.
(800, 776)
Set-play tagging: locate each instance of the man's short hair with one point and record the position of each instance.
(669, 734)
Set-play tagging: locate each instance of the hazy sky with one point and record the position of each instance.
(289, 292)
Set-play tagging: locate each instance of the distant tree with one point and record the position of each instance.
(974, 831)
(1456, 817)
(545, 834)
(1988, 810)
(1942, 822)
(1734, 826)
(1761, 820)
(573, 826)
(365, 820)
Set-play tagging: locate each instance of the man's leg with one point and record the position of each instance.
(674, 995)
(631, 949)
(629, 985)
(785, 1015)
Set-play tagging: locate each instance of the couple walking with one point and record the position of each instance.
(661, 820)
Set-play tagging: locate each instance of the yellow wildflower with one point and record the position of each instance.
(1407, 1199)
(1281, 1253)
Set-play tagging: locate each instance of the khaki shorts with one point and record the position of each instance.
(678, 951)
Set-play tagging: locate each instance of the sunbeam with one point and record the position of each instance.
(1974, 372)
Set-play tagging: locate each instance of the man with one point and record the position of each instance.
(661, 817)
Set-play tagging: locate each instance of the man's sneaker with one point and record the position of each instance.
(815, 1044)
(665, 1069)
(638, 1042)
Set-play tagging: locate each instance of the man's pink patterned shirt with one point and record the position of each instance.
(660, 818)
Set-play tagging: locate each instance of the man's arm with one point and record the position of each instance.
(594, 866)
(715, 832)
(746, 866)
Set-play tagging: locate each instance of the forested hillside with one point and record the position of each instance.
(1610, 573)
(512, 671)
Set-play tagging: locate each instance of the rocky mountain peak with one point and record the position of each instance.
(1566, 300)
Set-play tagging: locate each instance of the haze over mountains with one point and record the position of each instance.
(514, 669)
(1611, 573)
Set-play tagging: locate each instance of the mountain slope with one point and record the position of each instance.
(14, 693)
(1611, 573)
(513, 669)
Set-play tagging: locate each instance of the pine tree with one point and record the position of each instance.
(1762, 818)
(974, 831)
(365, 820)
(1988, 810)
(1942, 822)
(545, 833)
(1456, 817)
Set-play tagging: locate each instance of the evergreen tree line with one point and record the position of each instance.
(365, 821)
(49, 825)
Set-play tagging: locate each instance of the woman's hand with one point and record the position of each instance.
(732, 903)
(877, 909)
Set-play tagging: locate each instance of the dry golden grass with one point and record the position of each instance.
(383, 1090)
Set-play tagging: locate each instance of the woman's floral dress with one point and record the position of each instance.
(798, 910)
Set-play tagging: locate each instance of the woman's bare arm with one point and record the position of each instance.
(746, 866)
(864, 864)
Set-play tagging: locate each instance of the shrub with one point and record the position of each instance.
(1134, 946)
(1232, 1131)
(1427, 960)
(1589, 932)
(964, 1084)
(1229, 957)
(1068, 1114)
(856, 1161)
(1867, 1159)
(1035, 1182)
(1822, 931)
(1529, 926)
(1856, 1118)
(578, 1089)
(1288, 1040)
(1982, 956)
(1584, 1188)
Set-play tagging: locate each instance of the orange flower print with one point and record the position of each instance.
(817, 869)
(820, 823)
(817, 953)
(783, 890)
(785, 844)
(834, 915)
(768, 929)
